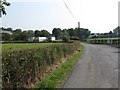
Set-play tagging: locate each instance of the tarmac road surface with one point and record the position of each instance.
(97, 68)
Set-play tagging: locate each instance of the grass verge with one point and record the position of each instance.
(57, 77)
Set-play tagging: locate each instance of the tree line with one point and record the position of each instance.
(20, 35)
(59, 34)
(71, 33)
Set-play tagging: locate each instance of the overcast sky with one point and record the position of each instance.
(96, 15)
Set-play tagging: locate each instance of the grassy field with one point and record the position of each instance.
(19, 46)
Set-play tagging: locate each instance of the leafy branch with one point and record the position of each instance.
(3, 3)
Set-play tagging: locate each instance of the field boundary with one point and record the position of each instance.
(58, 76)
(23, 68)
(109, 41)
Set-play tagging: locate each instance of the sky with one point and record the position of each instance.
(99, 16)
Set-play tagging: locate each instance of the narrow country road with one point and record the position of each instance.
(97, 68)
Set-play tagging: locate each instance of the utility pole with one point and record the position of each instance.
(78, 25)
(0, 8)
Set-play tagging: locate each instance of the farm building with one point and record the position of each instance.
(52, 38)
(39, 39)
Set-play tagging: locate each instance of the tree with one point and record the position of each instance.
(16, 34)
(110, 35)
(6, 37)
(82, 33)
(86, 33)
(30, 33)
(78, 33)
(65, 35)
(57, 33)
(36, 33)
(116, 32)
(9, 29)
(17, 31)
(71, 32)
(3, 3)
(24, 36)
(110, 32)
(65, 38)
(44, 33)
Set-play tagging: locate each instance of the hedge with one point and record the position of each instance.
(22, 68)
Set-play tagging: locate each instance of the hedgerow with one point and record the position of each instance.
(22, 68)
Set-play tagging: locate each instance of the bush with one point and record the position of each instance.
(74, 38)
(24, 67)
(65, 38)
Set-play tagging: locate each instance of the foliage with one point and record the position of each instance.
(79, 33)
(109, 41)
(3, 3)
(6, 36)
(57, 33)
(116, 32)
(45, 33)
(111, 34)
(65, 38)
(74, 38)
(65, 34)
(71, 32)
(23, 67)
(37, 33)
(19, 35)
(42, 33)
(57, 77)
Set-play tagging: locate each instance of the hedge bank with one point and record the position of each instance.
(22, 68)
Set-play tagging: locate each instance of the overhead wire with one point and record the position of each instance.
(69, 10)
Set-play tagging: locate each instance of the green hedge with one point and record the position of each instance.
(24, 67)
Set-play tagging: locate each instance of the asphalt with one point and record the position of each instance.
(97, 68)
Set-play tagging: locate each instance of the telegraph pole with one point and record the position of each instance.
(78, 25)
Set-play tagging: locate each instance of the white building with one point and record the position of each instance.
(37, 39)
(52, 38)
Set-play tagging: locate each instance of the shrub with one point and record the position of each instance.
(65, 38)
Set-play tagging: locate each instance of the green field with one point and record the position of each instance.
(19, 46)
